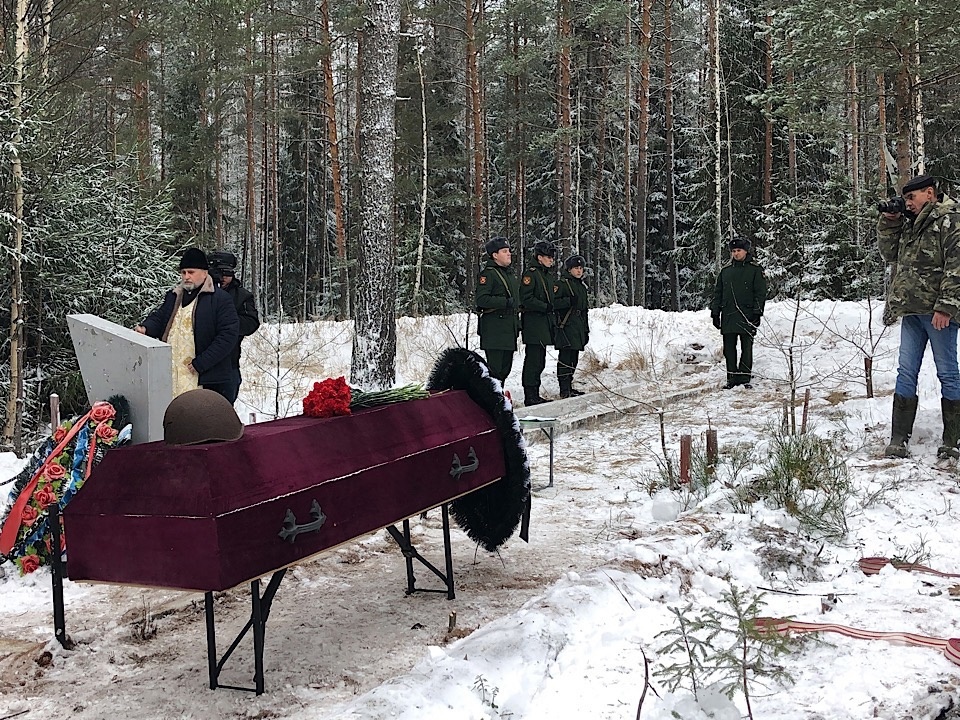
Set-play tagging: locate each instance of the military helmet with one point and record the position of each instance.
(200, 416)
(545, 248)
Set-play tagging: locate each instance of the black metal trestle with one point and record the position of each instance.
(57, 573)
(260, 611)
(410, 554)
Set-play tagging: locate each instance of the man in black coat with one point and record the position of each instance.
(200, 323)
(223, 268)
(736, 309)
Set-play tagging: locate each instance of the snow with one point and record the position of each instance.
(569, 624)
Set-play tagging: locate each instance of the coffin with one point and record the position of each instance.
(209, 517)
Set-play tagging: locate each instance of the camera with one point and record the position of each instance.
(221, 262)
(893, 206)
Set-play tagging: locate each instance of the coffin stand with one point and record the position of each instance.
(210, 517)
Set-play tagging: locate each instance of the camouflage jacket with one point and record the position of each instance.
(928, 260)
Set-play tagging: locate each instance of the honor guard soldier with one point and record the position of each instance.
(498, 302)
(538, 322)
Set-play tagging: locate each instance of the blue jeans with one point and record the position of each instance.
(915, 332)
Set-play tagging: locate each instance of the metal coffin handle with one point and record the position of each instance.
(290, 529)
(456, 469)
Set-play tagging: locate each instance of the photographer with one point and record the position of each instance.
(223, 269)
(920, 233)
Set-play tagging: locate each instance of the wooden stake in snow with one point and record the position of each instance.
(713, 450)
(686, 448)
(806, 410)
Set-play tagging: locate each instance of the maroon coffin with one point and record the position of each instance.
(209, 517)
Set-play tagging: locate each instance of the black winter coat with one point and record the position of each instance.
(246, 312)
(739, 297)
(216, 329)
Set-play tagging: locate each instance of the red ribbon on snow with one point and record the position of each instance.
(949, 647)
(873, 565)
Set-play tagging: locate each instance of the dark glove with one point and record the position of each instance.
(754, 320)
(716, 321)
(510, 303)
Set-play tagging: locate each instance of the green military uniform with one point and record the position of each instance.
(536, 303)
(498, 300)
(738, 301)
(927, 257)
(573, 328)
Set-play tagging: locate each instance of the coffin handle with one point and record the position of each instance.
(290, 529)
(456, 469)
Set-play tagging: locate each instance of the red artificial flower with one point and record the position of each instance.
(45, 496)
(102, 411)
(28, 563)
(328, 399)
(29, 515)
(105, 432)
(60, 434)
(54, 471)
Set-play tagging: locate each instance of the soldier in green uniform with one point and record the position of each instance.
(498, 300)
(921, 233)
(573, 330)
(536, 304)
(736, 309)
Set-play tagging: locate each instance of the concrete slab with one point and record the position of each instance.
(115, 360)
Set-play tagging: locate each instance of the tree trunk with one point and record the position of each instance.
(250, 245)
(671, 223)
(855, 149)
(13, 428)
(627, 174)
(333, 143)
(882, 177)
(768, 119)
(476, 147)
(422, 232)
(903, 102)
(564, 158)
(375, 334)
(640, 269)
(713, 45)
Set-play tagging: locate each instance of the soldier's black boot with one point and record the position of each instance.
(531, 395)
(951, 429)
(901, 425)
(565, 383)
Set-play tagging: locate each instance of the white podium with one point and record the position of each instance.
(115, 360)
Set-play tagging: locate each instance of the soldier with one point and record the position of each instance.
(498, 300)
(736, 309)
(536, 304)
(921, 233)
(573, 330)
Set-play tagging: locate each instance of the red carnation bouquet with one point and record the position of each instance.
(334, 397)
(328, 399)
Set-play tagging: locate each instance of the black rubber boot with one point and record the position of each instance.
(901, 425)
(565, 382)
(531, 396)
(951, 429)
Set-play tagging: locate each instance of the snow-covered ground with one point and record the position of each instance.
(569, 624)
